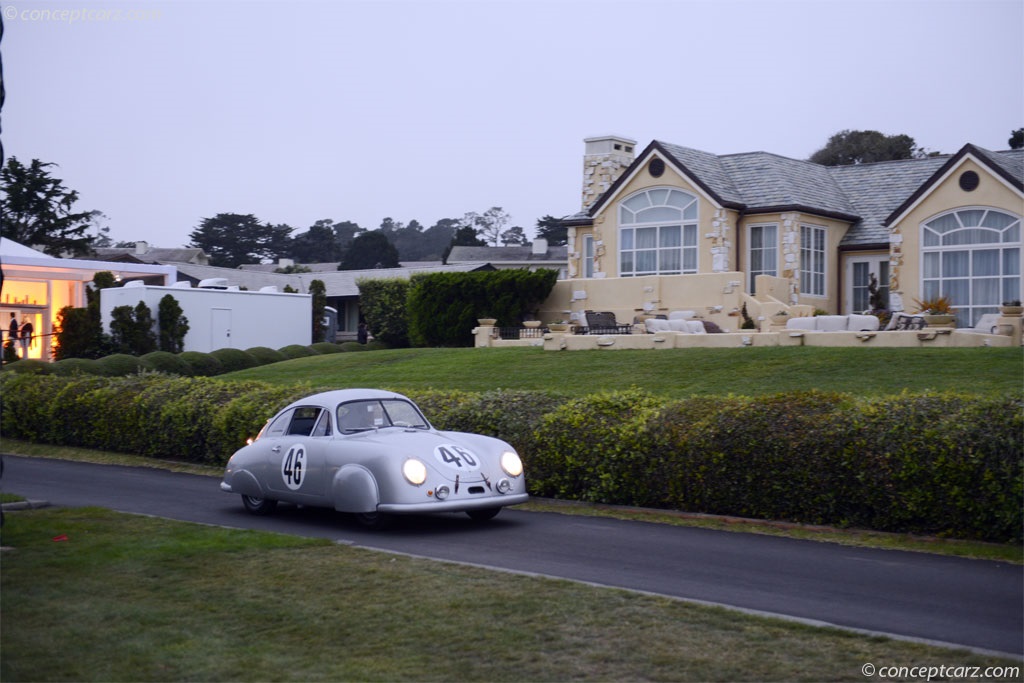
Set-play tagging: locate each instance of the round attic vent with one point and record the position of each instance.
(969, 181)
(656, 167)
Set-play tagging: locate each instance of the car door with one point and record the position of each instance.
(296, 454)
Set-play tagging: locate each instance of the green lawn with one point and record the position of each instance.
(671, 372)
(92, 595)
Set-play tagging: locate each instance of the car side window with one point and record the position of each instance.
(303, 421)
(279, 425)
(323, 425)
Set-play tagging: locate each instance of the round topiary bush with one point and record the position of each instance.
(376, 345)
(74, 366)
(266, 355)
(297, 351)
(165, 361)
(234, 359)
(326, 347)
(201, 364)
(118, 365)
(351, 346)
(29, 366)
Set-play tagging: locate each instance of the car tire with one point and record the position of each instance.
(483, 514)
(258, 506)
(373, 520)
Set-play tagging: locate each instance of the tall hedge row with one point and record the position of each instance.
(923, 463)
(443, 308)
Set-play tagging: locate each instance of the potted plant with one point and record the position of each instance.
(487, 322)
(1012, 309)
(936, 311)
(559, 326)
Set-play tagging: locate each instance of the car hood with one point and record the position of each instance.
(443, 452)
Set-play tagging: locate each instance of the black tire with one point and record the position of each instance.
(373, 520)
(258, 506)
(483, 514)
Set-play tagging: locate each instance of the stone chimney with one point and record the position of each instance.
(540, 247)
(604, 160)
(141, 248)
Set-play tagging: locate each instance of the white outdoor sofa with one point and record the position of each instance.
(834, 323)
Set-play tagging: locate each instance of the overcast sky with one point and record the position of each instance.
(163, 113)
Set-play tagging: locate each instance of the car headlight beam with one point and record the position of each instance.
(511, 463)
(415, 472)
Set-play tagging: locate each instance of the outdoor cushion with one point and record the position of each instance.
(862, 323)
(830, 323)
(803, 323)
(674, 315)
(656, 325)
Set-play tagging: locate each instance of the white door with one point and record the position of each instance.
(220, 328)
(858, 276)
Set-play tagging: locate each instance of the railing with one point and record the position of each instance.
(521, 332)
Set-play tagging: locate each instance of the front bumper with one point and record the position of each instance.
(453, 505)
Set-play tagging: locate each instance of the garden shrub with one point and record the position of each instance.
(325, 347)
(443, 308)
(376, 345)
(202, 364)
(74, 366)
(265, 355)
(165, 361)
(29, 366)
(437, 405)
(509, 415)
(352, 346)
(594, 448)
(234, 359)
(243, 417)
(297, 351)
(383, 301)
(117, 365)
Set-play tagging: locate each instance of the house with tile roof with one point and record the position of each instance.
(673, 227)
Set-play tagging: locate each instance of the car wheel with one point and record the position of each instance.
(484, 514)
(258, 506)
(373, 520)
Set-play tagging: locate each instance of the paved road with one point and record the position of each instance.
(972, 603)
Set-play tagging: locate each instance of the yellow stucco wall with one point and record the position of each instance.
(945, 196)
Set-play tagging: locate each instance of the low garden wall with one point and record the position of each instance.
(933, 464)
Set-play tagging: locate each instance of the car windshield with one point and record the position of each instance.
(359, 416)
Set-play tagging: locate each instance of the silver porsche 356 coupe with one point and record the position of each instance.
(372, 453)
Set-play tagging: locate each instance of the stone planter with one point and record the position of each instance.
(532, 324)
(939, 320)
(1012, 311)
(487, 322)
(558, 327)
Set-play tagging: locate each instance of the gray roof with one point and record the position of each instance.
(866, 195)
(515, 254)
(336, 282)
(152, 254)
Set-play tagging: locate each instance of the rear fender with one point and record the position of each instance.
(355, 490)
(243, 482)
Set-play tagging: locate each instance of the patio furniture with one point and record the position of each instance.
(603, 322)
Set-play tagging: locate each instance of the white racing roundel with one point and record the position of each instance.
(457, 458)
(293, 466)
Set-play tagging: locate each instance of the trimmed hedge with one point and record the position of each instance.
(165, 361)
(234, 359)
(926, 463)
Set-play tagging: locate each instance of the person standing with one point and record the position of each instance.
(26, 335)
(12, 332)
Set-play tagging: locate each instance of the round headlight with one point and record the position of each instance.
(415, 471)
(511, 463)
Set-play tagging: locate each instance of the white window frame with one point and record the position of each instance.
(752, 272)
(587, 258)
(813, 261)
(687, 221)
(949, 235)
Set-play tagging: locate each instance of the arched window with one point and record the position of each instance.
(973, 257)
(658, 233)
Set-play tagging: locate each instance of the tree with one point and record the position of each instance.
(1016, 140)
(232, 239)
(551, 229)
(514, 236)
(319, 292)
(866, 146)
(370, 250)
(317, 245)
(39, 211)
(465, 236)
(131, 329)
(492, 224)
(173, 325)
